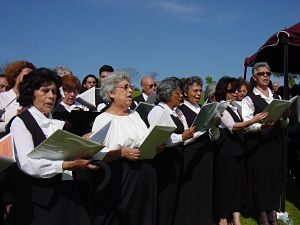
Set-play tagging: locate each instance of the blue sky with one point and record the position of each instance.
(172, 38)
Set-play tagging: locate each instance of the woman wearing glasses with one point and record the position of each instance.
(169, 161)
(229, 167)
(130, 197)
(263, 143)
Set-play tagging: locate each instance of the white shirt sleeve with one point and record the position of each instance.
(248, 113)
(153, 116)
(227, 121)
(40, 168)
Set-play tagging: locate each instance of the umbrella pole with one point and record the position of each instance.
(283, 39)
(245, 72)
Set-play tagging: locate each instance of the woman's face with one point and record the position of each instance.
(242, 92)
(70, 96)
(231, 93)
(90, 82)
(193, 94)
(175, 98)
(44, 98)
(122, 94)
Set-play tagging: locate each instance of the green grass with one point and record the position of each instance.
(292, 207)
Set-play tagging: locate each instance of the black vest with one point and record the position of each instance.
(40, 190)
(254, 139)
(233, 142)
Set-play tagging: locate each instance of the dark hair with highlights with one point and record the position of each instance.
(34, 81)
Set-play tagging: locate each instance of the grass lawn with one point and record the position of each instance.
(292, 207)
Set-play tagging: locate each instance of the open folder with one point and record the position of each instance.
(89, 98)
(276, 108)
(7, 155)
(62, 145)
(158, 134)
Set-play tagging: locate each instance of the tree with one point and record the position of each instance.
(209, 80)
(134, 75)
(292, 77)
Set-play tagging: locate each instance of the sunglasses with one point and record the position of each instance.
(150, 85)
(263, 73)
(231, 90)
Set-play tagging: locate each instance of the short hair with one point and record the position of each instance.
(106, 68)
(187, 82)
(110, 82)
(86, 77)
(62, 70)
(242, 82)
(166, 87)
(257, 65)
(70, 82)
(210, 91)
(34, 81)
(221, 88)
(13, 70)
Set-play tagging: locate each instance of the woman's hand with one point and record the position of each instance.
(131, 153)
(188, 133)
(259, 117)
(78, 164)
(87, 136)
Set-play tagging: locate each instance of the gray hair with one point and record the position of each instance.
(110, 82)
(257, 65)
(210, 91)
(166, 87)
(62, 70)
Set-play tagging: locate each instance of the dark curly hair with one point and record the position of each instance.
(221, 88)
(34, 81)
(12, 70)
(189, 81)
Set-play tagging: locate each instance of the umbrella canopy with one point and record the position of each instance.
(272, 51)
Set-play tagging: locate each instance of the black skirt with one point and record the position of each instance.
(130, 197)
(194, 204)
(228, 185)
(265, 175)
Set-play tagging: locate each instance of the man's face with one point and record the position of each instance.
(102, 75)
(275, 86)
(148, 85)
(262, 76)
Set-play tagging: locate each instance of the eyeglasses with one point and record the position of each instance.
(233, 90)
(126, 87)
(263, 73)
(150, 85)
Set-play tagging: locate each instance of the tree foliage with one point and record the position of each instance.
(209, 80)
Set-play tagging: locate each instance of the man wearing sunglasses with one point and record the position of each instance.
(263, 144)
(148, 86)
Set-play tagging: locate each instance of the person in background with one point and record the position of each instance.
(209, 95)
(169, 162)
(148, 86)
(3, 83)
(196, 182)
(130, 197)
(275, 86)
(43, 197)
(14, 73)
(264, 149)
(104, 71)
(229, 159)
(62, 70)
(70, 87)
(88, 82)
(243, 88)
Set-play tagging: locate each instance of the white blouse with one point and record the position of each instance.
(227, 120)
(124, 131)
(248, 108)
(23, 142)
(8, 103)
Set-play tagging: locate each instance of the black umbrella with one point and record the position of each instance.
(281, 51)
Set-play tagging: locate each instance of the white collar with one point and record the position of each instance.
(195, 108)
(145, 96)
(257, 92)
